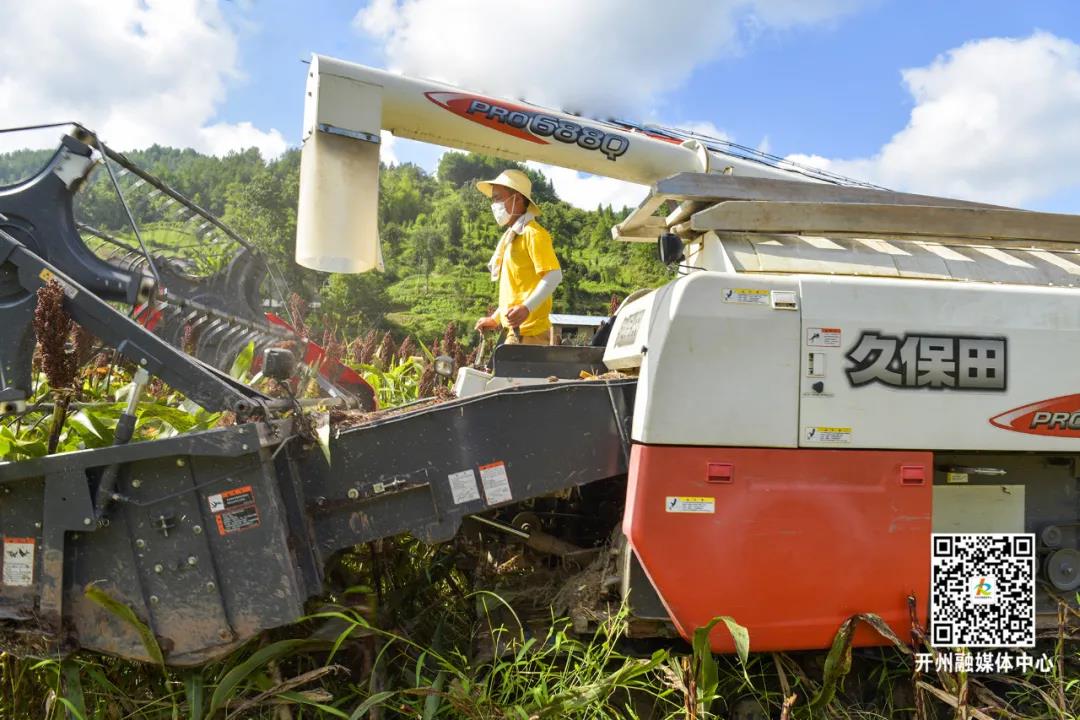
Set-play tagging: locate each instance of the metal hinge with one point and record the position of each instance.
(354, 134)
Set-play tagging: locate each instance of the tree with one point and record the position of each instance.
(437, 234)
(352, 304)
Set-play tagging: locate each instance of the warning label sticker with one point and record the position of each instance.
(46, 275)
(819, 434)
(496, 483)
(678, 504)
(463, 486)
(236, 520)
(231, 499)
(18, 561)
(747, 296)
(234, 510)
(823, 337)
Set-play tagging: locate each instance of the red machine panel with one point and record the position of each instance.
(790, 543)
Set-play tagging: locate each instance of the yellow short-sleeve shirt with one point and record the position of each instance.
(527, 257)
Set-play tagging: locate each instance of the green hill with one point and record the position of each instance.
(437, 234)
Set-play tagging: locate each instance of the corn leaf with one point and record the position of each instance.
(246, 669)
(373, 701)
(322, 433)
(123, 612)
(242, 364)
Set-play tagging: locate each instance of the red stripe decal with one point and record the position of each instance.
(495, 114)
(1056, 417)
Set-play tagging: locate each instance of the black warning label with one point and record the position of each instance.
(237, 497)
(234, 510)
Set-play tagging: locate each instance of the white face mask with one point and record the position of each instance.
(502, 216)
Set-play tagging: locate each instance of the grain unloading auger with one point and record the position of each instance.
(835, 372)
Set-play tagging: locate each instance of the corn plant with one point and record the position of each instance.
(397, 383)
(409, 650)
(91, 421)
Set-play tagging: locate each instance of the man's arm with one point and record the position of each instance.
(546, 264)
(543, 290)
(547, 284)
(490, 322)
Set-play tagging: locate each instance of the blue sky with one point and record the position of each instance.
(836, 90)
(832, 89)
(990, 111)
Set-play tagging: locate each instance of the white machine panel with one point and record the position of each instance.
(978, 509)
(630, 333)
(719, 357)
(898, 364)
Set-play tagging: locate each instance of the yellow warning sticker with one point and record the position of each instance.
(679, 504)
(46, 275)
(820, 434)
(747, 296)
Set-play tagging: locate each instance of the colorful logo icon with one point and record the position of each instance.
(984, 588)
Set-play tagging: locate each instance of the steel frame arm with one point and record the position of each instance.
(203, 384)
(39, 213)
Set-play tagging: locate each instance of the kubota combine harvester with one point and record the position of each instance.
(834, 372)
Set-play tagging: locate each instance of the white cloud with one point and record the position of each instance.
(387, 153)
(600, 57)
(996, 120)
(589, 191)
(703, 127)
(221, 138)
(137, 71)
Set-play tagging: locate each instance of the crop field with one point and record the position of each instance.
(417, 631)
(488, 360)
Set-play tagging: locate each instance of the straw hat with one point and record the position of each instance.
(515, 180)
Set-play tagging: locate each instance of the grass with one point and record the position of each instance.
(338, 664)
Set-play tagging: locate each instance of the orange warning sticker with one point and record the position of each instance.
(234, 510)
(823, 337)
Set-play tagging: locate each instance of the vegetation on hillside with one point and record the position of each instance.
(437, 236)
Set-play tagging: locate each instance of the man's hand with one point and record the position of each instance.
(486, 323)
(517, 315)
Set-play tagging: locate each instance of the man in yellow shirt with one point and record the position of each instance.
(524, 262)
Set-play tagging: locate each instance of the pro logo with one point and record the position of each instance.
(526, 123)
(1057, 417)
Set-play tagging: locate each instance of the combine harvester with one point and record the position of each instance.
(835, 372)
